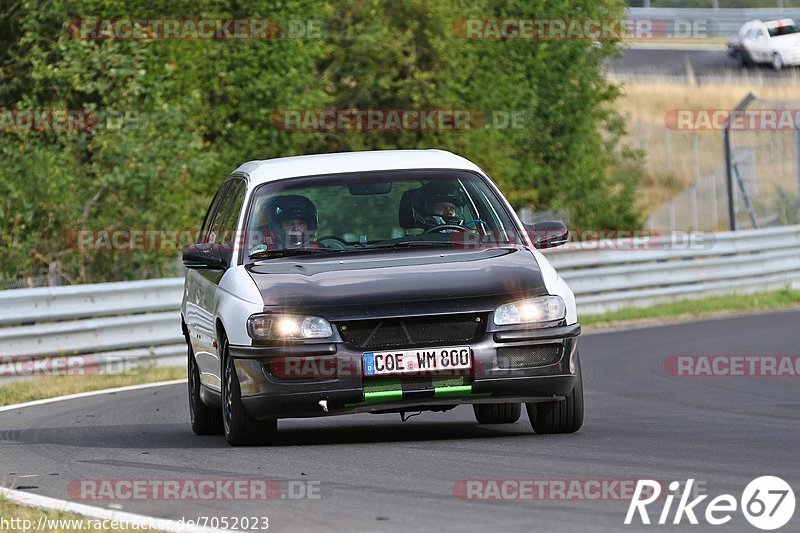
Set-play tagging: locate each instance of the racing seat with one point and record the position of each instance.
(407, 209)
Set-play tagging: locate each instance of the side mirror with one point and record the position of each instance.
(548, 234)
(206, 256)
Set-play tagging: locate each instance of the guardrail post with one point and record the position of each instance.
(726, 141)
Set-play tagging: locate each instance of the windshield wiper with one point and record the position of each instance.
(411, 244)
(287, 252)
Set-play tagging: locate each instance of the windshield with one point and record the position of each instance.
(397, 209)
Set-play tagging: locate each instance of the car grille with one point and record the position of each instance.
(412, 331)
(528, 356)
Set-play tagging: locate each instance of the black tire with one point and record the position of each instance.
(240, 428)
(777, 62)
(740, 58)
(559, 416)
(497, 413)
(205, 420)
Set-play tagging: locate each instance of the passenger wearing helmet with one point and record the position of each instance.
(292, 223)
(438, 203)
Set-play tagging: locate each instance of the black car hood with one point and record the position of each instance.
(367, 284)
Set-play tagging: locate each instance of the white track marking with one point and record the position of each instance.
(98, 513)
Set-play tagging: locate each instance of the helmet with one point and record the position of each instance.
(288, 208)
(435, 192)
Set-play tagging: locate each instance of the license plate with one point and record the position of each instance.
(417, 360)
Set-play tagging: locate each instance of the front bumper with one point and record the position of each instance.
(331, 373)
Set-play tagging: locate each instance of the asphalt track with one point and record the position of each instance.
(378, 473)
(706, 66)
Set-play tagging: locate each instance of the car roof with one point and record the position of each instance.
(346, 162)
(770, 23)
(775, 23)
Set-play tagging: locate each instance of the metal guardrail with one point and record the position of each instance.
(44, 304)
(606, 275)
(132, 321)
(90, 328)
(721, 22)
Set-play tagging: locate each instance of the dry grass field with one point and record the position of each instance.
(670, 162)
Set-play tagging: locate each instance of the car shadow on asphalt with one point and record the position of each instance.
(301, 433)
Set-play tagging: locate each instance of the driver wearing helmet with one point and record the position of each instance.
(438, 203)
(292, 223)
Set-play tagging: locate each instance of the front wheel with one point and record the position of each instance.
(497, 413)
(559, 416)
(240, 428)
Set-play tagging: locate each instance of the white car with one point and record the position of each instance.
(776, 42)
(381, 282)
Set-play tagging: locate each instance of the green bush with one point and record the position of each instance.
(176, 116)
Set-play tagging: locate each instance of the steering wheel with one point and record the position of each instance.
(334, 242)
(476, 220)
(440, 229)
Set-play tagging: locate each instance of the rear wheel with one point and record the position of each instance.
(205, 420)
(240, 428)
(777, 61)
(497, 413)
(559, 416)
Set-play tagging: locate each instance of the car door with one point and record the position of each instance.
(761, 45)
(218, 228)
(752, 45)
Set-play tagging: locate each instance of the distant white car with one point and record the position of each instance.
(776, 42)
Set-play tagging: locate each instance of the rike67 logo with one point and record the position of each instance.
(767, 502)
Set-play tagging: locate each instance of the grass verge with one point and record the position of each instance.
(48, 387)
(22, 518)
(703, 307)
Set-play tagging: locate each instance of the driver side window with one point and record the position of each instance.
(223, 227)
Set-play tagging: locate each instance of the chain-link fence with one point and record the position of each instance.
(764, 170)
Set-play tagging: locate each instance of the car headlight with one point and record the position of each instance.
(531, 311)
(288, 327)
